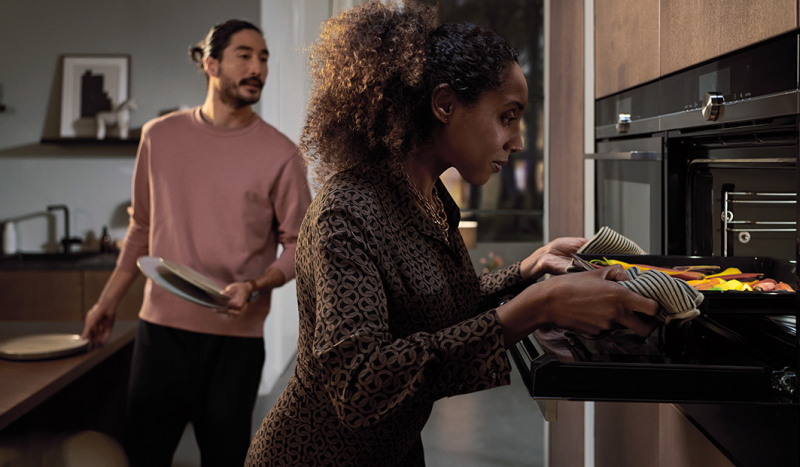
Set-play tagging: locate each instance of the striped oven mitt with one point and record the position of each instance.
(678, 299)
(607, 242)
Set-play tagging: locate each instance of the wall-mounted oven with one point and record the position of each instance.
(700, 168)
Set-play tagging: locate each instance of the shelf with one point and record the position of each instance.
(88, 141)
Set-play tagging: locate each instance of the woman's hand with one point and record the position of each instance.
(552, 258)
(585, 302)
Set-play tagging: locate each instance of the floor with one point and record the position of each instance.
(494, 428)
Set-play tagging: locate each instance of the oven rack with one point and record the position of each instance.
(745, 228)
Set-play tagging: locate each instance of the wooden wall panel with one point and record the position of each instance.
(683, 445)
(626, 434)
(566, 435)
(693, 31)
(626, 44)
(566, 104)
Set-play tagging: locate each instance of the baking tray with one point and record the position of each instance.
(730, 301)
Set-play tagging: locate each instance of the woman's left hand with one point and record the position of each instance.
(552, 258)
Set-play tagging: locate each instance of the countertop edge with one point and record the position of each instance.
(124, 332)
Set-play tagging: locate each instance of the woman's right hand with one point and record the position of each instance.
(585, 302)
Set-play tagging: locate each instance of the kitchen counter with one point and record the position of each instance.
(58, 261)
(65, 393)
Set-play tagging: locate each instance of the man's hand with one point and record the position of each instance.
(239, 292)
(99, 322)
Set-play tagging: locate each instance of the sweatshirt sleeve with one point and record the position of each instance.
(291, 197)
(137, 238)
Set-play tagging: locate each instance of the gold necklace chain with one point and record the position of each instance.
(436, 214)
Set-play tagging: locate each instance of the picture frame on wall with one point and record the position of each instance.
(91, 84)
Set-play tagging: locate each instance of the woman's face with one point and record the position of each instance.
(478, 139)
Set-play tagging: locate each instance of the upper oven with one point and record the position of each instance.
(629, 165)
(699, 168)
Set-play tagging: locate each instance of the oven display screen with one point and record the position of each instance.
(718, 81)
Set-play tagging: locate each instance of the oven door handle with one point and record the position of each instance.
(627, 156)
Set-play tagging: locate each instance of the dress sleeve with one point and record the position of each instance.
(495, 281)
(291, 197)
(138, 236)
(369, 373)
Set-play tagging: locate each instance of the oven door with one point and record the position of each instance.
(701, 361)
(741, 349)
(629, 184)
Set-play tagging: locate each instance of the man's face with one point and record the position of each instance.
(242, 69)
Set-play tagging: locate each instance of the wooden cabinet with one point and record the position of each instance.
(694, 31)
(626, 44)
(41, 295)
(60, 295)
(95, 280)
(637, 41)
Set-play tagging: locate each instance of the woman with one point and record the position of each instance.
(387, 293)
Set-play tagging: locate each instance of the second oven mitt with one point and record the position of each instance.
(607, 242)
(678, 299)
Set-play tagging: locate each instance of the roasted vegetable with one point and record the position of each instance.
(729, 279)
(685, 275)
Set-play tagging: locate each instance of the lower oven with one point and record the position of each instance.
(700, 168)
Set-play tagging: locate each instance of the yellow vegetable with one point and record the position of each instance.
(613, 261)
(727, 272)
(642, 267)
(733, 284)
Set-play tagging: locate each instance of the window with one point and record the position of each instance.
(510, 207)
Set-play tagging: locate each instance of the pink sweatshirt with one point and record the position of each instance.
(219, 201)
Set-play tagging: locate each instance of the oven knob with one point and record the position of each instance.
(712, 105)
(623, 123)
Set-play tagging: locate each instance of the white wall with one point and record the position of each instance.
(289, 26)
(92, 181)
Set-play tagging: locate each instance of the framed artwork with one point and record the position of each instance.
(91, 84)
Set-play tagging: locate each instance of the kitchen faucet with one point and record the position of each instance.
(67, 240)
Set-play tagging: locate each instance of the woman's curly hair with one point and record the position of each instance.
(373, 71)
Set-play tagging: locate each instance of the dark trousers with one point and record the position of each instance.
(180, 376)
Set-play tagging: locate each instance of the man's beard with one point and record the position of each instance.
(229, 93)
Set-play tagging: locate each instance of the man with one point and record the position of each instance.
(217, 189)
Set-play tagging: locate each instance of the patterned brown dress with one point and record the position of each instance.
(389, 323)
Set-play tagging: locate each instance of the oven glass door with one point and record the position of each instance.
(629, 196)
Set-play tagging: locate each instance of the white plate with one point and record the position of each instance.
(155, 269)
(43, 346)
(193, 277)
